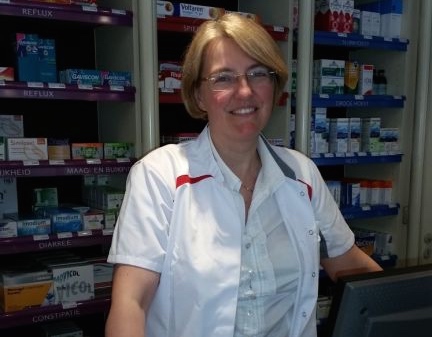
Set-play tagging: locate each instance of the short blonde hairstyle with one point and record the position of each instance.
(252, 38)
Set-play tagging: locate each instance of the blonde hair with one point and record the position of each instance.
(251, 37)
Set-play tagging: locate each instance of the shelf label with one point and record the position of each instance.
(278, 29)
(359, 97)
(108, 231)
(57, 162)
(40, 237)
(342, 35)
(4, 1)
(64, 235)
(367, 37)
(117, 88)
(2, 83)
(93, 161)
(315, 155)
(349, 154)
(123, 160)
(328, 155)
(57, 85)
(397, 97)
(361, 154)
(69, 305)
(388, 39)
(85, 233)
(30, 162)
(35, 84)
(86, 8)
(340, 154)
(366, 208)
(85, 86)
(118, 11)
(325, 96)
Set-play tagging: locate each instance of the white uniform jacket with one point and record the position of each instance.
(178, 218)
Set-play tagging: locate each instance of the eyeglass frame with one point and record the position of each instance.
(248, 74)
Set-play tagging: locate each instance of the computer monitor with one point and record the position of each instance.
(390, 303)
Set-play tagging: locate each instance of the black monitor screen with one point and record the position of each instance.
(391, 303)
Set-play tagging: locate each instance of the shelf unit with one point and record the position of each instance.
(102, 37)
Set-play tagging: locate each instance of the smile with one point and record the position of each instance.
(243, 111)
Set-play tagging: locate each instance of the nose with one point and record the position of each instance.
(243, 85)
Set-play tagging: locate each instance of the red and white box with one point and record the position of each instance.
(7, 74)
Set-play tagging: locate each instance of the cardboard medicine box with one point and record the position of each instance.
(27, 54)
(31, 224)
(72, 281)
(21, 289)
(8, 196)
(168, 8)
(118, 150)
(87, 150)
(27, 149)
(11, 126)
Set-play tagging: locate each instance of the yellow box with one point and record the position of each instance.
(21, 290)
(352, 77)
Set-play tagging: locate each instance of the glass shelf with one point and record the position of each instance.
(94, 15)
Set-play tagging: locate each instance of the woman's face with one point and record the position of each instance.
(241, 111)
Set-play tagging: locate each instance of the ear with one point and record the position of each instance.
(198, 98)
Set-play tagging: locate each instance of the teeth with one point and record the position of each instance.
(243, 111)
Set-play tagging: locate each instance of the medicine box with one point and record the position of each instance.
(2, 148)
(8, 196)
(87, 150)
(168, 8)
(81, 76)
(328, 68)
(354, 134)
(118, 150)
(73, 281)
(22, 288)
(27, 149)
(27, 55)
(391, 18)
(64, 219)
(45, 197)
(116, 78)
(328, 85)
(30, 224)
(93, 219)
(352, 77)
(371, 130)
(339, 135)
(61, 329)
(59, 149)
(7, 74)
(11, 126)
(8, 228)
(47, 60)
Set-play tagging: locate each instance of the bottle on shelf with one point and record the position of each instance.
(382, 83)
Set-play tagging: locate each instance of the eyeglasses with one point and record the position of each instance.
(227, 80)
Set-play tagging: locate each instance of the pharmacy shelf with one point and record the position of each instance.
(190, 25)
(52, 313)
(355, 158)
(60, 91)
(356, 101)
(359, 41)
(94, 15)
(73, 167)
(35, 243)
(370, 211)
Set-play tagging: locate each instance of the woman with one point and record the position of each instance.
(224, 235)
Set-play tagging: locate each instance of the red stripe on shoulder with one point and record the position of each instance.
(185, 179)
(309, 188)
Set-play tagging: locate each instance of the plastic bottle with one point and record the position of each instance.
(382, 85)
(375, 82)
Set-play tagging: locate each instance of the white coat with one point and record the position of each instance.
(178, 219)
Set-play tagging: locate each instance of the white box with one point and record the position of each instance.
(366, 79)
(8, 228)
(371, 130)
(27, 149)
(354, 134)
(328, 85)
(338, 135)
(72, 282)
(328, 68)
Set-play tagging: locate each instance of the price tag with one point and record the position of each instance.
(35, 84)
(118, 11)
(56, 85)
(278, 29)
(40, 237)
(69, 305)
(85, 233)
(366, 208)
(64, 235)
(31, 162)
(117, 88)
(328, 155)
(361, 154)
(349, 154)
(93, 161)
(342, 35)
(367, 37)
(89, 8)
(57, 162)
(85, 86)
(123, 160)
(108, 231)
(326, 96)
(359, 97)
(340, 154)
(388, 39)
